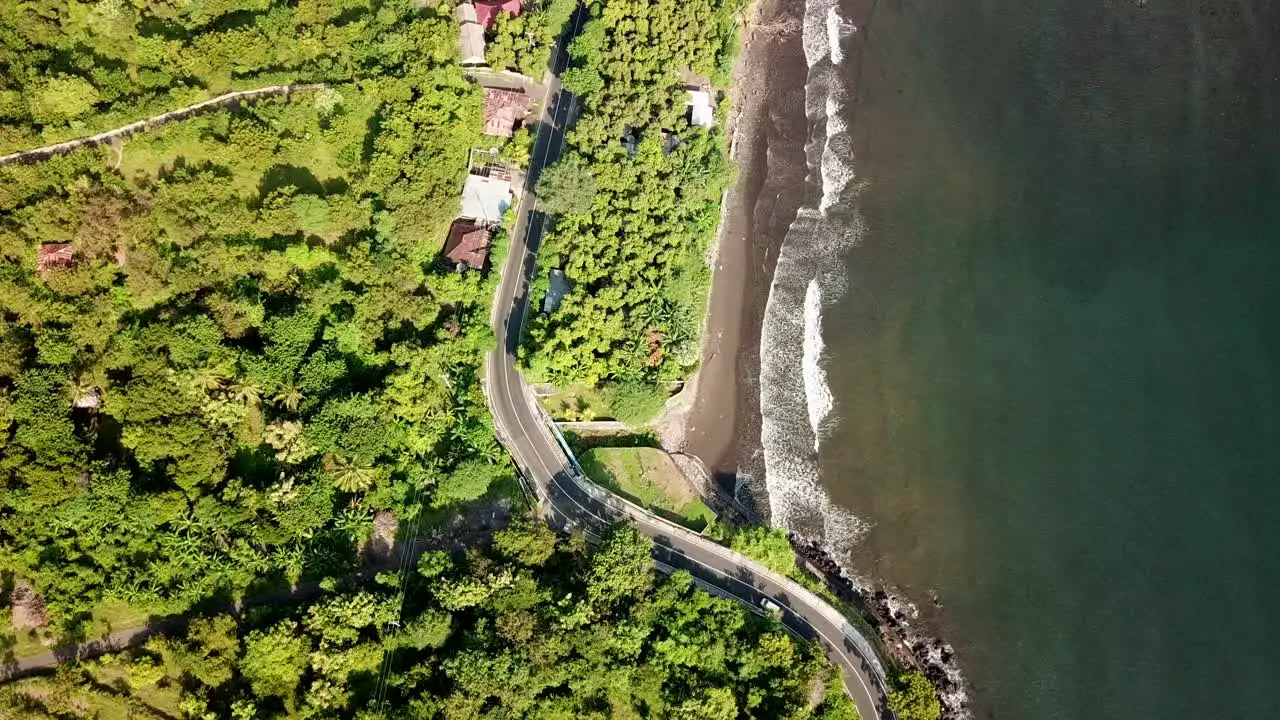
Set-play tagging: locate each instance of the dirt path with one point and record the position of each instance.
(133, 127)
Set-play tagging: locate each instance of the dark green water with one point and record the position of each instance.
(1057, 373)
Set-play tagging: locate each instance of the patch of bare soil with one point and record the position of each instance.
(29, 612)
(381, 544)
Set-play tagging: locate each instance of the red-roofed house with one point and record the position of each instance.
(503, 111)
(487, 10)
(468, 245)
(52, 255)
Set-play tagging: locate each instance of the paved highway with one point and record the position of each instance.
(572, 502)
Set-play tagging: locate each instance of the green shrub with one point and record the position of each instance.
(635, 402)
(912, 697)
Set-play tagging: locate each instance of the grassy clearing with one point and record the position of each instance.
(577, 403)
(112, 693)
(160, 692)
(648, 477)
(18, 644)
(318, 145)
(108, 616)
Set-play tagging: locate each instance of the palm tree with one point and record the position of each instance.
(494, 454)
(246, 393)
(348, 475)
(208, 379)
(289, 397)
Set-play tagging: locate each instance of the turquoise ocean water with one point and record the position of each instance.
(1055, 369)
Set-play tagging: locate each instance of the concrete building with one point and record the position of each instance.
(701, 110)
(557, 287)
(470, 36)
(484, 199)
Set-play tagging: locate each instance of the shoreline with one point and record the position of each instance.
(716, 418)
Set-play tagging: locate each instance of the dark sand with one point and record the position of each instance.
(723, 428)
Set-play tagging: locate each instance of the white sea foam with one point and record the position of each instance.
(814, 36)
(797, 406)
(816, 391)
(836, 168)
(838, 32)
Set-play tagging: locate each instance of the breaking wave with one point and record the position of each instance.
(795, 400)
(816, 391)
(837, 30)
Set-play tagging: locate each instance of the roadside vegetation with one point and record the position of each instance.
(913, 697)
(523, 42)
(75, 68)
(230, 365)
(632, 226)
(538, 626)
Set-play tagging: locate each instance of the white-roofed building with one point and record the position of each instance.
(470, 35)
(484, 199)
(701, 112)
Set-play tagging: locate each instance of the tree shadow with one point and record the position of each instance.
(257, 466)
(302, 178)
(184, 170)
(372, 127)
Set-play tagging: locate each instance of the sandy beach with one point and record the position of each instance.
(722, 425)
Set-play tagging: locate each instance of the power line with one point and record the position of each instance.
(405, 560)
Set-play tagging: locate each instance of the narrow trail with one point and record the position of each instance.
(14, 668)
(123, 131)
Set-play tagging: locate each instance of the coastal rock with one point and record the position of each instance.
(894, 617)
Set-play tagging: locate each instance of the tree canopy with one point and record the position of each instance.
(523, 42)
(546, 642)
(913, 697)
(76, 68)
(636, 197)
(248, 350)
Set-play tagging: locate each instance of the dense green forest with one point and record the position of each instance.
(632, 228)
(71, 68)
(230, 364)
(249, 352)
(538, 626)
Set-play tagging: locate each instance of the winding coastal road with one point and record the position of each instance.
(573, 502)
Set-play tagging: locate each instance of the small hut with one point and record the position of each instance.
(54, 255)
(468, 245)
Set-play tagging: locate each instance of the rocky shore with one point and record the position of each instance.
(894, 619)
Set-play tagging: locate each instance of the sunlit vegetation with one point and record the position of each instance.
(75, 68)
(246, 351)
(650, 478)
(539, 626)
(913, 697)
(230, 364)
(523, 42)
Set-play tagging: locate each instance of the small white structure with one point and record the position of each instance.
(701, 112)
(470, 35)
(484, 199)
